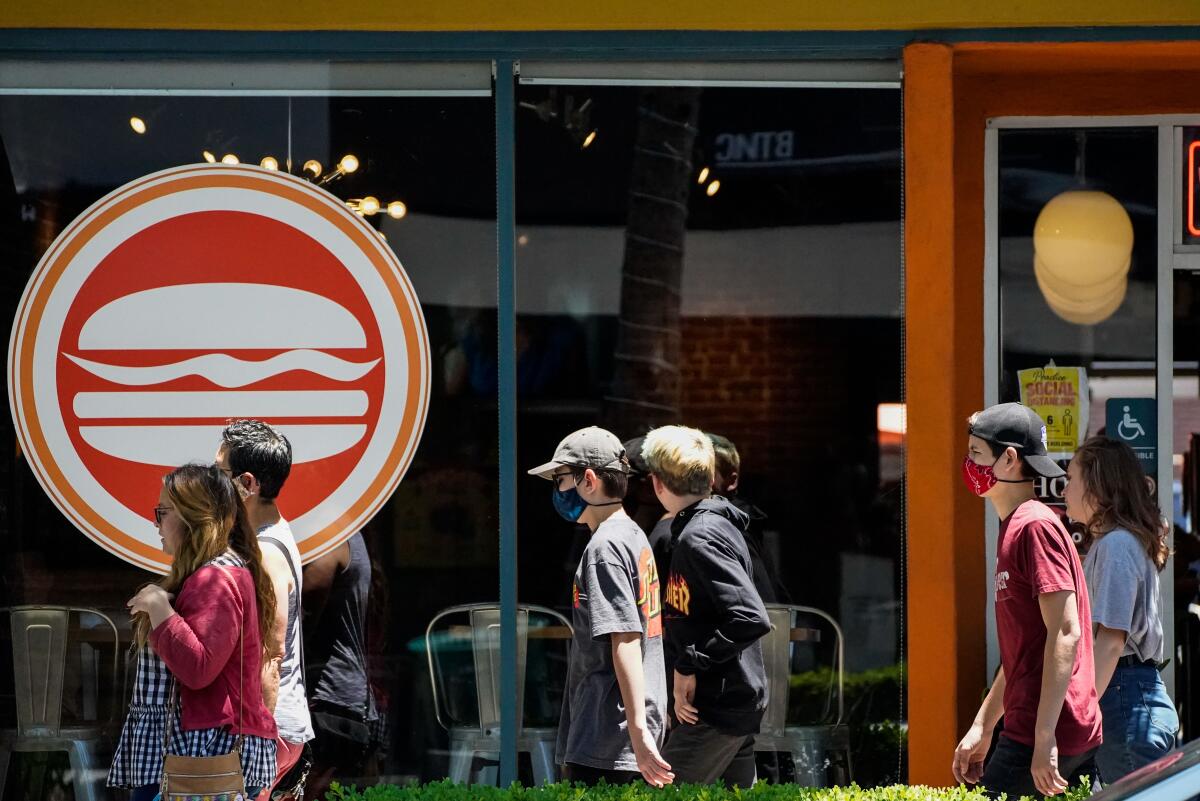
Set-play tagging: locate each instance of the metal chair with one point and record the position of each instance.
(477, 737)
(814, 748)
(39, 648)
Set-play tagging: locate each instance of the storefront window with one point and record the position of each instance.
(729, 259)
(434, 544)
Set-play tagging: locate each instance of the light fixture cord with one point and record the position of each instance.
(1081, 157)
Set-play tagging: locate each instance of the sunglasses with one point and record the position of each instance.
(159, 513)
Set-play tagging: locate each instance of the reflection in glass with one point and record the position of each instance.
(729, 259)
(434, 544)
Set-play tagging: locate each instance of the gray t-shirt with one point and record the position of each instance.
(616, 590)
(1123, 587)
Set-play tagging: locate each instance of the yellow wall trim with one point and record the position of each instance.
(576, 15)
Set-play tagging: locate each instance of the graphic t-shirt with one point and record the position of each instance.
(1034, 556)
(615, 591)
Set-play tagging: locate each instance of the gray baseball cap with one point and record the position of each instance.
(588, 447)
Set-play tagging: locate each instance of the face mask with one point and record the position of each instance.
(980, 478)
(570, 504)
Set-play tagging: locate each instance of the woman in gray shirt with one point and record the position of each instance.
(1108, 493)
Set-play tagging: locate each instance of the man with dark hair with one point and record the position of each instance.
(259, 458)
(1045, 688)
(726, 480)
(615, 703)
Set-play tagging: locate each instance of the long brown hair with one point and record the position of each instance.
(214, 520)
(1116, 487)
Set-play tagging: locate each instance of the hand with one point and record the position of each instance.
(653, 767)
(1044, 768)
(152, 601)
(969, 755)
(684, 691)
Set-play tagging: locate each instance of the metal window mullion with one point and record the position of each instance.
(507, 404)
(991, 366)
(1165, 373)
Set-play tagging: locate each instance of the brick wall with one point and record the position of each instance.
(783, 389)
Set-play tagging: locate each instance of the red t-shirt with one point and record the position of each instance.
(1035, 555)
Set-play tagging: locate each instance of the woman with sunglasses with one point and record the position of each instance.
(201, 634)
(1108, 493)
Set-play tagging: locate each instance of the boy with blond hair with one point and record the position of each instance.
(714, 616)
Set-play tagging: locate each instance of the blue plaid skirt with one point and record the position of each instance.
(138, 759)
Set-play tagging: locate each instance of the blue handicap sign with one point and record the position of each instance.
(1134, 421)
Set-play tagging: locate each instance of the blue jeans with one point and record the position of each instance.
(1139, 722)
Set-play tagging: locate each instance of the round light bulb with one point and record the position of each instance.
(713, 188)
(703, 175)
(209, 157)
(369, 205)
(313, 167)
(1084, 238)
(269, 162)
(137, 124)
(229, 158)
(349, 163)
(396, 209)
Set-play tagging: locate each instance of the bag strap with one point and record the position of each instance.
(287, 557)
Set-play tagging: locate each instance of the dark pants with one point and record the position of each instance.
(149, 792)
(699, 754)
(1008, 770)
(585, 774)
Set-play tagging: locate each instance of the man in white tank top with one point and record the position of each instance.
(258, 458)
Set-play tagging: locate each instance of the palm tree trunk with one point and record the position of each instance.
(645, 389)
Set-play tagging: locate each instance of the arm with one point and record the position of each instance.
(197, 641)
(1107, 648)
(743, 618)
(281, 581)
(1061, 618)
(969, 756)
(627, 662)
(318, 582)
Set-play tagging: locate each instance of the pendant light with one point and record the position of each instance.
(1083, 245)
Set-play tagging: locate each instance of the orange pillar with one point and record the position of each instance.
(944, 384)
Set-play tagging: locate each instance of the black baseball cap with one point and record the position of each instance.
(1015, 425)
(633, 449)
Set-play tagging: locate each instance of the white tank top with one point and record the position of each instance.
(291, 709)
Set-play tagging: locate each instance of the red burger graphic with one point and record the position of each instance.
(203, 294)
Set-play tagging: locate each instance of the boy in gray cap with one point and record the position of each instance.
(614, 706)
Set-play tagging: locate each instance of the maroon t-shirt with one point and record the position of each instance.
(1035, 555)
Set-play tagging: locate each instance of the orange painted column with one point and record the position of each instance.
(944, 384)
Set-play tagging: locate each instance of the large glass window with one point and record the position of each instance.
(434, 544)
(729, 259)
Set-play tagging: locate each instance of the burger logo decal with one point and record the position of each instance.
(202, 294)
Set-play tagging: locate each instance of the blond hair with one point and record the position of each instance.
(682, 458)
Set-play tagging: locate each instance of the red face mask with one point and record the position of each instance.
(979, 478)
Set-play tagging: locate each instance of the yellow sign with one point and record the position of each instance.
(1059, 396)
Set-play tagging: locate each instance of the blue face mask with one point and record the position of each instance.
(568, 504)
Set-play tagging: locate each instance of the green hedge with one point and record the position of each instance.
(446, 791)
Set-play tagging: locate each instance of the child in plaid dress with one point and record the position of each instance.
(209, 645)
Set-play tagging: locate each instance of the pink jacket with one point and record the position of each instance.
(200, 644)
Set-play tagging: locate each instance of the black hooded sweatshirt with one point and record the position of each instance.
(714, 616)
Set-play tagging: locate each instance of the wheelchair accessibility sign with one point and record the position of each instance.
(1134, 421)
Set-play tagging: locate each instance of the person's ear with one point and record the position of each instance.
(733, 482)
